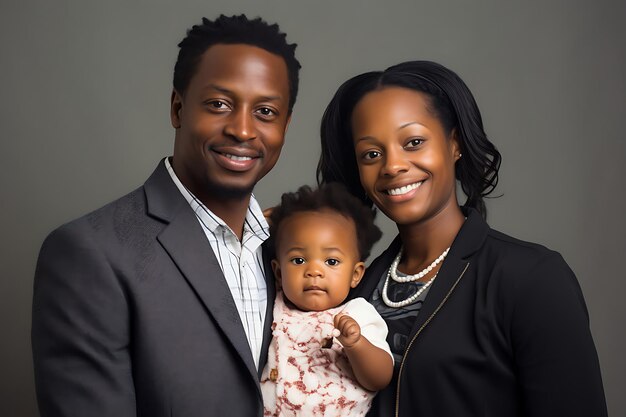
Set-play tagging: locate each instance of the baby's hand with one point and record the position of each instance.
(347, 330)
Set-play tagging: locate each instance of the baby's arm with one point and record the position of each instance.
(372, 366)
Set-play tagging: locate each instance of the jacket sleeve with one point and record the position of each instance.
(80, 330)
(554, 353)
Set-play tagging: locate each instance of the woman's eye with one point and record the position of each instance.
(371, 155)
(332, 262)
(297, 261)
(413, 143)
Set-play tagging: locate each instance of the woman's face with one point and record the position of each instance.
(405, 159)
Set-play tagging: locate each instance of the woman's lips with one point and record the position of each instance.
(404, 189)
(402, 193)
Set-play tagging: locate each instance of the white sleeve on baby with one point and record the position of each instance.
(373, 327)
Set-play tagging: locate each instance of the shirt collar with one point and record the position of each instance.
(255, 222)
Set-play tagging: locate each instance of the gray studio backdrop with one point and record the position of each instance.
(84, 119)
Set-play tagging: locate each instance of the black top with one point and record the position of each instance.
(504, 331)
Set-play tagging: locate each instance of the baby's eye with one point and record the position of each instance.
(297, 261)
(332, 262)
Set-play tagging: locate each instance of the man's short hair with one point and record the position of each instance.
(234, 30)
(333, 197)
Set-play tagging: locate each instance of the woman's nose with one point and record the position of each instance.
(394, 163)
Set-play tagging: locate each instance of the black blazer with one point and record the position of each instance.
(132, 316)
(503, 332)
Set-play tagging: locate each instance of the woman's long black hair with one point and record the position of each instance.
(454, 106)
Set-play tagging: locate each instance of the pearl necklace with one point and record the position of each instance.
(409, 300)
(393, 273)
(393, 269)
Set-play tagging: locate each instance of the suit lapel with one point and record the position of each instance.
(269, 312)
(185, 242)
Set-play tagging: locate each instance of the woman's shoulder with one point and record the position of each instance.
(523, 262)
(501, 245)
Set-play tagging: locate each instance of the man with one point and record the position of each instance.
(159, 304)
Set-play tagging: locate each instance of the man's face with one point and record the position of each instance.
(231, 121)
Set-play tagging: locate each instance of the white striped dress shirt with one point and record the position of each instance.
(241, 262)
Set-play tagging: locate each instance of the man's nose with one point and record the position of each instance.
(241, 125)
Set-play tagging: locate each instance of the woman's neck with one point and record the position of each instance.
(426, 240)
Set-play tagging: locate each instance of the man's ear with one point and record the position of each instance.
(357, 274)
(287, 124)
(176, 106)
(277, 273)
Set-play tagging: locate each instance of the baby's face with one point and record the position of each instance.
(317, 259)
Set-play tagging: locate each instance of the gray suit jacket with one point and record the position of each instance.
(132, 316)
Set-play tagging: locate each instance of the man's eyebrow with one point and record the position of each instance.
(218, 88)
(227, 91)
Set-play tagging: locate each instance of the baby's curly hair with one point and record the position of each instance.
(331, 196)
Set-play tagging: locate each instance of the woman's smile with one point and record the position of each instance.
(404, 189)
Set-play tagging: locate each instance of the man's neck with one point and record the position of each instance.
(231, 211)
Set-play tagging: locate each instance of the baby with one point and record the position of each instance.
(326, 358)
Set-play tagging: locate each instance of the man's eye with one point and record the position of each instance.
(297, 261)
(332, 262)
(266, 112)
(217, 104)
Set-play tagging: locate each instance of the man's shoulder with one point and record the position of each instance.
(132, 204)
(124, 216)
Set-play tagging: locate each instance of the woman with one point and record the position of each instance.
(480, 323)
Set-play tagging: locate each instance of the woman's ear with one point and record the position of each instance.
(357, 274)
(455, 146)
(277, 273)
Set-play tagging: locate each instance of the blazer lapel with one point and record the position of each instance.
(450, 274)
(469, 239)
(185, 242)
(269, 312)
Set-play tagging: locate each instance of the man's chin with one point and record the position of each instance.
(232, 192)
